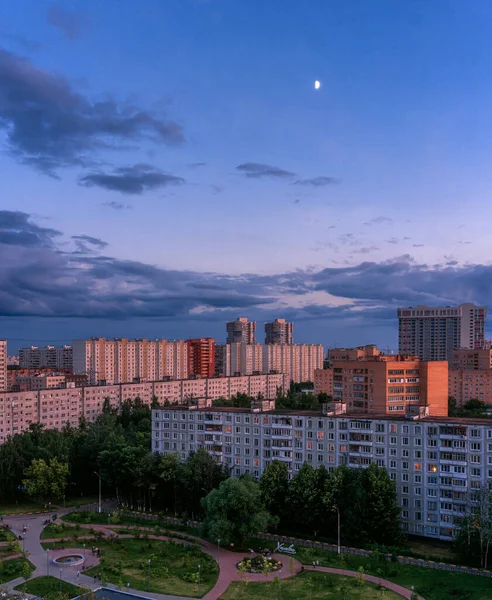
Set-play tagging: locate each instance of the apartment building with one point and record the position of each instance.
(53, 408)
(222, 360)
(201, 357)
(241, 330)
(246, 359)
(279, 332)
(323, 381)
(357, 353)
(297, 362)
(438, 464)
(3, 365)
(434, 333)
(477, 359)
(387, 385)
(53, 357)
(41, 381)
(122, 360)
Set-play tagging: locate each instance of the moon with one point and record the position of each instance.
(317, 84)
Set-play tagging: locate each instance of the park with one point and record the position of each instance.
(161, 559)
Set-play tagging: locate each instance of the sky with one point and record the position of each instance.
(168, 166)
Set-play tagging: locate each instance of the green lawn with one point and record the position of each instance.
(11, 569)
(173, 566)
(443, 552)
(6, 535)
(59, 531)
(430, 583)
(307, 585)
(49, 588)
(20, 507)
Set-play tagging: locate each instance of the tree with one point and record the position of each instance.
(482, 515)
(304, 504)
(234, 511)
(382, 511)
(274, 486)
(46, 480)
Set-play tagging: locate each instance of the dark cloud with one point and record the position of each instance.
(216, 189)
(259, 170)
(38, 279)
(72, 23)
(16, 229)
(88, 239)
(133, 180)
(197, 165)
(393, 240)
(379, 221)
(365, 250)
(317, 181)
(116, 205)
(24, 43)
(48, 125)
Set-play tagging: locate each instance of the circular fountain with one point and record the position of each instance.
(68, 560)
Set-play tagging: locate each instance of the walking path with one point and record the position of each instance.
(227, 560)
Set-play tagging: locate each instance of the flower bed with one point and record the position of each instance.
(259, 564)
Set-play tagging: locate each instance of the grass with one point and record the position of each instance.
(6, 535)
(430, 583)
(58, 531)
(11, 569)
(173, 566)
(307, 585)
(443, 552)
(49, 588)
(20, 507)
(79, 501)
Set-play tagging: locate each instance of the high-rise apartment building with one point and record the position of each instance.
(54, 357)
(433, 333)
(241, 330)
(473, 360)
(438, 464)
(3, 365)
(223, 360)
(201, 357)
(297, 362)
(388, 385)
(279, 332)
(122, 360)
(246, 359)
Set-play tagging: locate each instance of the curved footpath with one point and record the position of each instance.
(227, 561)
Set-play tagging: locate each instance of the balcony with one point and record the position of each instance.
(209, 420)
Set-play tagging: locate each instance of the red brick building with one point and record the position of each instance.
(201, 357)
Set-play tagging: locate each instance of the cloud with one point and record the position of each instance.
(88, 239)
(259, 171)
(24, 43)
(197, 165)
(134, 180)
(216, 189)
(71, 23)
(16, 229)
(38, 279)
(49, 126)
(393, 240)
(418, 245)
(317, 181)
(366, 250)
(116, 205)
(378, 221)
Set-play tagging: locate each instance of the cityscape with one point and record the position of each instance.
(245, 349)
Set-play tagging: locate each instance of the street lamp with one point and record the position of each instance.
(60, 580)
(148, 580)
(218, 552)
(84, 551)
(199, 579)
(98, 475)
(338, 515)
(48, 561)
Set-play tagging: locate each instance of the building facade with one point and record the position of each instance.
(54, 357)
(122, 360)
(480, 358)
(54, 408)
(387, 385)
(222, 360)
(246, 359)
(357, 353)
(438, 465)
(201, 357)
(279, 332)
(297, 362)
(434, 333)
(241, 330)
(3, 365)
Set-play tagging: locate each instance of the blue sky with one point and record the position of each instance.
(185, 140)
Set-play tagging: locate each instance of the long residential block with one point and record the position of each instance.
(438, 464)
(54, 408)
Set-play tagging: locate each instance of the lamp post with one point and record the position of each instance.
(60, 580)
(63, 500)
(339, 545)
(48, 561)
(98, 475)
(198, 579)
(218, 552)
(148, 578)
(84, 552)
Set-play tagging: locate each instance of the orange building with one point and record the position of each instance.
(395, 385)
(472, 359)
(323, 381)
(356, 353)
(201, 357)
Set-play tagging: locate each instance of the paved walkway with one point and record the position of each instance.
(227, 560)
